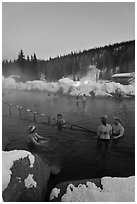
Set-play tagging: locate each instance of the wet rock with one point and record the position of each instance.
(28, 184)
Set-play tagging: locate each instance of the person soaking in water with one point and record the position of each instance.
(104, 132)
(117, 128)
(117, 131)
(35, 139)
(60, 121)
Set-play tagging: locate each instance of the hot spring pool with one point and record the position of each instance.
(75, 151)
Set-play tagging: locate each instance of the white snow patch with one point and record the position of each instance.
(114, 190)
(66, 81)
(8, 159)
(117, 184)
(54, 193)
(29, 181)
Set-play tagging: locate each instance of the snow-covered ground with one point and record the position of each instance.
(88, 85)
(113, 190)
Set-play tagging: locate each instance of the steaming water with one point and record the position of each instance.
(75, 151)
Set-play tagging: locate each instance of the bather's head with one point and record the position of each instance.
(103, 119)
(32, 129)
(59, 116)
(117, 120)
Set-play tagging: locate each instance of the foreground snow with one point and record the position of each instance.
(8, 159)
(25, 176)
(87, 85)
(113, 190)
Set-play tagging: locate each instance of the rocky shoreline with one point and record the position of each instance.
(28, 182)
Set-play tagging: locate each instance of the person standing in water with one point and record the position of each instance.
(84, 101)
(77, 101)
(117, 131)
(84, 98)
(48, 98)
(60, 121)
(55, 98)
(104, 132)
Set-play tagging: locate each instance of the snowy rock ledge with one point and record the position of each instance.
(24, 176)
(106, 189)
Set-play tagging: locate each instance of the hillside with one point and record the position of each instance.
(110, 59)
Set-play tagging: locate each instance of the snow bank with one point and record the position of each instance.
(66, 81)
(85, 86)
(118, 184)
(114, 190)
(8, 159)
(102, 89)
(54, 193)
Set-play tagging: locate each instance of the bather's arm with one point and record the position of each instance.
(120, 134)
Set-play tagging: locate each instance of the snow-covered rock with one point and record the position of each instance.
(54, 193)
(8, 159)
(24, 176)
(109, 190)
(66, 81)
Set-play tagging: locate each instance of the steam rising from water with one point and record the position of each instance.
(68, 86)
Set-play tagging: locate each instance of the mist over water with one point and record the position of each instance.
(86, 85)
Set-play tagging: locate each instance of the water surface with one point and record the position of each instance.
(75, 151)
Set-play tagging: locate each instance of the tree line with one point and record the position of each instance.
(110, 59)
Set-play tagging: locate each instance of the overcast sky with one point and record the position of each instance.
(51, 29)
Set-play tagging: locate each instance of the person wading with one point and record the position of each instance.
(117, 131)
(60, 122)
(104, 132)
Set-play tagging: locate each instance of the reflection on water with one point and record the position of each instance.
(75, 151)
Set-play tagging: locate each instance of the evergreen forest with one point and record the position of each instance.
(110, 59)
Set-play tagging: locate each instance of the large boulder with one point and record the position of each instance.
(27, 183)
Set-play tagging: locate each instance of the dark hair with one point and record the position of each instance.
(59, 115)
(104, 119)
(118, 119)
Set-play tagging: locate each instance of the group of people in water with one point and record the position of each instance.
(105, 132)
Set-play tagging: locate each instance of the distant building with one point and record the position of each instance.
(123, 78)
